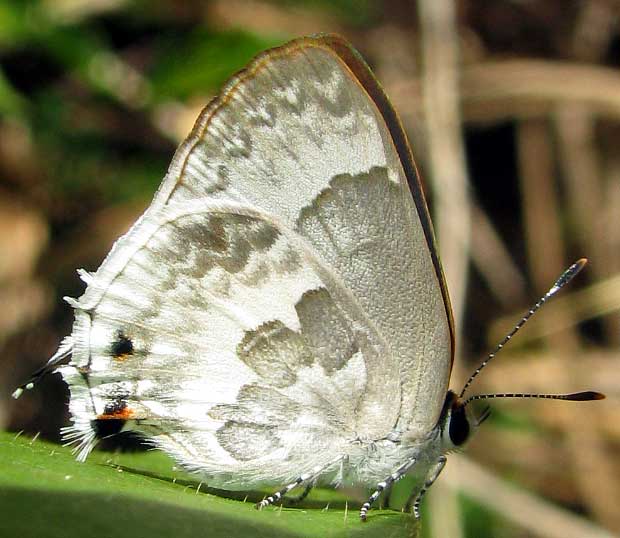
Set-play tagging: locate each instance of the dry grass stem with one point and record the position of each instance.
(447, 169)
(493, 261)
(547, 254)
(493, 91)
(448, 174)
(530, 512)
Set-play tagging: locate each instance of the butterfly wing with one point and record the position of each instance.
(306, 133)
(282, 289)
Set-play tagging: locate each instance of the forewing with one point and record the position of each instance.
(306, 133)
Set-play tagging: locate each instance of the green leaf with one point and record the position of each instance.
(45, 492)
(11, 103)
(200, 61)
(13, 23)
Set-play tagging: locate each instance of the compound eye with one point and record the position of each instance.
(459, 427)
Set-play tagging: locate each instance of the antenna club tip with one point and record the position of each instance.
(580, 264)
(587, 396)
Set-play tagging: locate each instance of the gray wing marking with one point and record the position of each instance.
(326, 330)
(248, 442)
(258, 404)
(289, 123)
(274, 352)
(287, 359)
(362, 226)
(254, 424)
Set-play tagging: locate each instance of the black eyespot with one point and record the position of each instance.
(459, 426)
(122, 346)
(104, 427)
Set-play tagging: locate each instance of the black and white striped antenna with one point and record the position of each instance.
(564, 279)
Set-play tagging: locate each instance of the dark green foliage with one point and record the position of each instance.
(45, 492)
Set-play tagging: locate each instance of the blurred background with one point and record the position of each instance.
(513, 111)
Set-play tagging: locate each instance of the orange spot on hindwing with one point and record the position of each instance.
(118, 410)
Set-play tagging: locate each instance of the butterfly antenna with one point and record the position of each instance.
(584, 396)
(564, 279)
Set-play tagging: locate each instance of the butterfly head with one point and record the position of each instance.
(459, 421)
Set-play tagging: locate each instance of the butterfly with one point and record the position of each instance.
(278, 317)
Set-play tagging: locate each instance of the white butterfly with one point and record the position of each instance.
(278, 316)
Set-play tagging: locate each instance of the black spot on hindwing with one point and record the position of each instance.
(106, 427)
(122, 346)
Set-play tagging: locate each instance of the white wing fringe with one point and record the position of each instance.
(83, 438)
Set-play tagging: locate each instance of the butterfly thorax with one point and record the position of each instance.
(369, 461)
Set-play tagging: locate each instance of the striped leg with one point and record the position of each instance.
(441, 462)
(308, 478)
(304, 494)
(394, 477)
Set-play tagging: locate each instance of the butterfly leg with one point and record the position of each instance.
(394, 477)
(304, 494)
(441, 462)
(308, 478)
